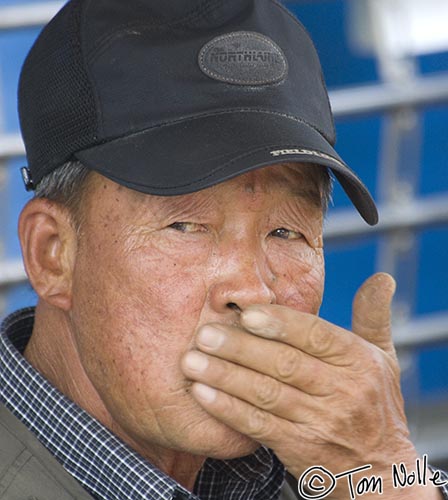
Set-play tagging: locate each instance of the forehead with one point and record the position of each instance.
(293, 179)
(301, 182)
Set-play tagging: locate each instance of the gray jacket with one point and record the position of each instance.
(28, 471)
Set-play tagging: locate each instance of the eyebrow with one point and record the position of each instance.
(294, 188)
(167, 206)
(312, 193)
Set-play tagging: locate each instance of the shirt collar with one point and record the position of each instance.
(98, 459)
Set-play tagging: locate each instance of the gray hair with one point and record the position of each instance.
(67, 183)
(326, 188)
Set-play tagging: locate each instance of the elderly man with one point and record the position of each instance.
(180, 155)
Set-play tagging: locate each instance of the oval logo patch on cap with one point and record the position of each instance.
(243, 58)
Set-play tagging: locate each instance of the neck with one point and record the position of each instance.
(52, 351)
(182, 467)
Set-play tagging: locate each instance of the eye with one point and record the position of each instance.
(187, 227)
(286, 234)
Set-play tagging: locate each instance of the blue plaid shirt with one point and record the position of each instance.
(105, 466)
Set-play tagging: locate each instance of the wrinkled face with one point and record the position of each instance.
(151, 270)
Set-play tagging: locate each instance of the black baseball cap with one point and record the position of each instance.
(170, 97)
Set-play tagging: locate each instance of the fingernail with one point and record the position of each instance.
(196, 361)
(258, 321)
(211, 337)
(204, 392)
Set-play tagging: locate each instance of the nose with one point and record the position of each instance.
(243, 279)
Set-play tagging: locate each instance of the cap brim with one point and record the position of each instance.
(198, 152)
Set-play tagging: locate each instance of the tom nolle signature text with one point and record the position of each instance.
(318, 482)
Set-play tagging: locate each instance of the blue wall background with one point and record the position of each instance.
(358, 142)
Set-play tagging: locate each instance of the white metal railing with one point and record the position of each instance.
(385, 97)
(11, 273)
(413, 215)
(432, 328)
(11, 145)
(22, 16)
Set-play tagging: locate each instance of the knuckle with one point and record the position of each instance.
(286, 363)
(370, 364)
(266, 392)
(258, 423)
(320, 337)
(376, 363)
(317, 381)
(367, 386)
(224, 373)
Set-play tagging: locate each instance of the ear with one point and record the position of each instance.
(49, 242)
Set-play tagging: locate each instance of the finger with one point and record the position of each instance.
(277, 360)
(306, 332)
(371, 318)
(260, 425)
(255, 388)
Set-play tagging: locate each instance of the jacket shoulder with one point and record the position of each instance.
(28, 471)
(289, 489)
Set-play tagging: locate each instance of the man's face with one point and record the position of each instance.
(151, 270)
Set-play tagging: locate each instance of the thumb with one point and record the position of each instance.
(372, 311)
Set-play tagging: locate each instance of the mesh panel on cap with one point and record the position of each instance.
(56, 103)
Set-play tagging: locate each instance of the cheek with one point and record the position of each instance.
(300, 278)
(143, 285)
(136, 313)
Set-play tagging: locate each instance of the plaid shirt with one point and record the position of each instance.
(105, 466)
